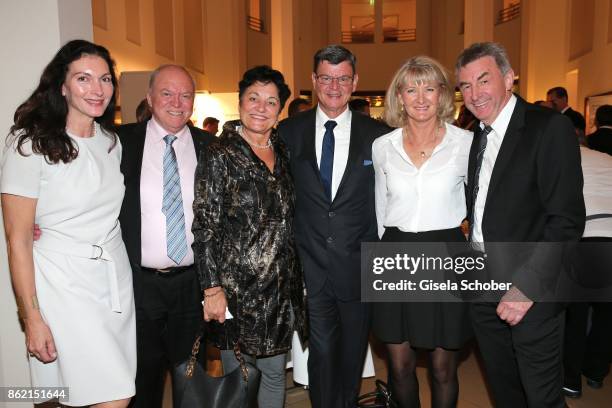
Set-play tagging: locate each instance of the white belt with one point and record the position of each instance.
(97, 252)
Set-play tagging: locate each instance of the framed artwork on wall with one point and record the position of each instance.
(592, 103)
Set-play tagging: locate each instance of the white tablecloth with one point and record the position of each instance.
(298, 358)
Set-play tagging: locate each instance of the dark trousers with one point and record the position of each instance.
(337, 346)
(168, 317)
(523, 362)
(587, 354)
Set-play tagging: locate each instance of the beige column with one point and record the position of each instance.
(225, 47)
(31, 32)
(478, 21)
(282, 37)
(544, 46)
(378, 22)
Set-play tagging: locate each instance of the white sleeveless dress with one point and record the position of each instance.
(82, 272)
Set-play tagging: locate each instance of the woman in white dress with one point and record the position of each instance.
(73, 286)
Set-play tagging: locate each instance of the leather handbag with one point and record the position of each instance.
(194, 388)
(379, 398)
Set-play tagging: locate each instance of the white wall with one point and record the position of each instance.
(30, 34)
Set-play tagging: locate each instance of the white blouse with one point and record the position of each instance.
(421, 199)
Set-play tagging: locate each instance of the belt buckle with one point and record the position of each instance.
(165, 270)
(99, 256)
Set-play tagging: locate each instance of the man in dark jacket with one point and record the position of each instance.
(601, 139)
(158, 164)
(524, 186)
(558, 98)
(330, 151)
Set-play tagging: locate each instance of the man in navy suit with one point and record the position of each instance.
(331, 161)
(166, 291)
(524, 185)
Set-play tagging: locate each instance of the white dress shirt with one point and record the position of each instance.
(428, 198)
(494, 141)
(153, 221)
(342, 138)
(597, 172)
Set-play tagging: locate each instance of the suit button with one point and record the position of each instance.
(331, 214)
(330, 240)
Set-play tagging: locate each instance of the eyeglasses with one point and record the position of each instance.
(327, 80)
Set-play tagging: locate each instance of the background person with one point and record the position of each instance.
(211, 125)
(360, 105)
(143, 112)
(601, 139)
(244, 243)
(466, 119)
(421, 171)
(73, 285)
(298, 105)
(588, 347)
(557, 98)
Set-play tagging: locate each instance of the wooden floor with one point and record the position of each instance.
(472, 388)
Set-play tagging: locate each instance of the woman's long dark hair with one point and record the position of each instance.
(42, 117)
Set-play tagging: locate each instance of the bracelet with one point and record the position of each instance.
(21, 306)
(214, 294)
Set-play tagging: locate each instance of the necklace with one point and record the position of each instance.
(423, 153)
(268, 144)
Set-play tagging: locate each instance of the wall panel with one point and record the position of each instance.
(164, 28)
(132, 23)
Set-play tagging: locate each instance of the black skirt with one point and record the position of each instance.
(423, 325)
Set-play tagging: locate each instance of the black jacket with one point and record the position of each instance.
(244, 242)
(329, 234)
(601, 140)
(576, 118)
(132, 137)
(534, 195)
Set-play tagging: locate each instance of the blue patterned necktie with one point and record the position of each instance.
(326, 168)
(172, 205)
(482, 145)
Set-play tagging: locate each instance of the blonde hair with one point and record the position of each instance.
(420, 69)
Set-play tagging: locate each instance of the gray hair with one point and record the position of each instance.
(159, 69)
(484, 49)
(334, 54)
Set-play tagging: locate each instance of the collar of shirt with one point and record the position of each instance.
(157, 132)
(343, 121)
(564, 109)
(397, 140)
(500, 124)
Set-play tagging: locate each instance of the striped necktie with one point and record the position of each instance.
(482, 145)
(172, 205)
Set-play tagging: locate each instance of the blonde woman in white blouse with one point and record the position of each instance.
(421, 172)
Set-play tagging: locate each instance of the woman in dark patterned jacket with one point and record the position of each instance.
(244, 245)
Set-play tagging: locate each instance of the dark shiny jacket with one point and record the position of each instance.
(243, 229)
